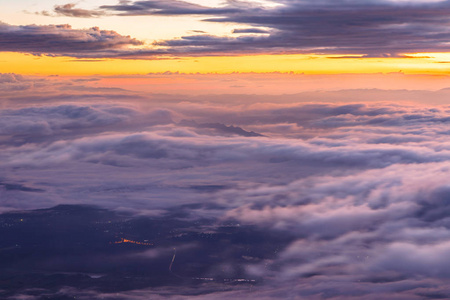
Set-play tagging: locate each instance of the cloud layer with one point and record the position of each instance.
(63, 40)
(378, 28)
(297, 199)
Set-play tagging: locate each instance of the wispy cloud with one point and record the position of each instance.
(168, 8)
(70, 10)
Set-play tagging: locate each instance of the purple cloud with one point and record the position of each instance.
(371, 29)
(64, 40)
(337, 200)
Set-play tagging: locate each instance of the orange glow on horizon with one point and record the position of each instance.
(26, 64)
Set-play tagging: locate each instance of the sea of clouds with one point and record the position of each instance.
(360, 188)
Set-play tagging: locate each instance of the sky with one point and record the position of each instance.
(287, 149)
(140, 37)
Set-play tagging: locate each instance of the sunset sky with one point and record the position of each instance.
(270, 149)
(139, 37)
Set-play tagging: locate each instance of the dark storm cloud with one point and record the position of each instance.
(63, 40)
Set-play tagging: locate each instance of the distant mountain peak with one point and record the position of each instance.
(220, 127)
